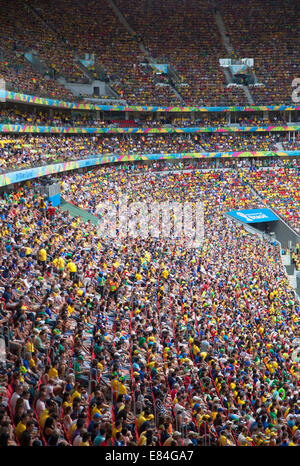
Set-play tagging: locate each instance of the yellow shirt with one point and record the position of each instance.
(75, 395)
(151, 364)
(122, 389)
(19, 429)
(66, 404)
(196, 350)
(72, 267)
(115, 430)
(43, 417)
(71, 430)
(70, 309)
(214, 415)
(142, 418)
(30, 347)
(115, 385)
(53, 373)
(223, 440)
(100, 366)
(43, 255)
(61, 264)
(95, 410)
(31, 364)
(142, 440)
(165, 274)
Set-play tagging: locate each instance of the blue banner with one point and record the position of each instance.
(253, 215)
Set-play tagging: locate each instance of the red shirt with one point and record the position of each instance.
(51, 210)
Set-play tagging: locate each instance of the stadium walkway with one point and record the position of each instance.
(77, 211)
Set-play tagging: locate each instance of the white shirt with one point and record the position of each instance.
(13, 401)
(50, 390)
(40, 406)
(77, 441)
(27, 405)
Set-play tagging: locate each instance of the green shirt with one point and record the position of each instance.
(141, 341)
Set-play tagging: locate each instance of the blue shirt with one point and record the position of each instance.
(98, 440)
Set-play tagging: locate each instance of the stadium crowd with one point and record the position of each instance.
(296, 256)
(33, 149)
(280, 188)
(115, 50)
(193, 52)
(18, 115)
(20, 76)
(190, 43)
(119, 330)
(26, 31)
(55, 118)
(266, 32)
